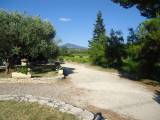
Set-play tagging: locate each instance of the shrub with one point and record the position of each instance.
(77, 58)
(130, 66)
(22, 69)
(61, 59)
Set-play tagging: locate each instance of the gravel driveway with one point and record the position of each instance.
(91, 87)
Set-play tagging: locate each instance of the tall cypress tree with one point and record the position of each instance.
(99, 27)
(98, 43)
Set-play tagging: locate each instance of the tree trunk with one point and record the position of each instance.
(7, 66)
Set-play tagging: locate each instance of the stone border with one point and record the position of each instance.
(81, 114)
(29, 80)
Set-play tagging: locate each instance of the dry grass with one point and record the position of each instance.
(12, 110)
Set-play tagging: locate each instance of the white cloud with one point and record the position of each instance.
(63, 19)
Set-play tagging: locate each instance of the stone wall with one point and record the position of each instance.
(81, 114)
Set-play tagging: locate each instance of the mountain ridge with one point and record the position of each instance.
(73, 46)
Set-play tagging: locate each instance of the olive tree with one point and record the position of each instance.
(25, 36)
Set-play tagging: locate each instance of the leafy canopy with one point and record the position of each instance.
(25, 36)
(147, 8)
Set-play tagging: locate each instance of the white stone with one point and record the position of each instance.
(20, 75)
(32, 100)
(24, 99)
(61, 103)
(86, 115)
(28, 96)
(60, 72)
(50, 104)
(23, 63)
(6, 97)
(68, 106)
(62, 110)
(42, 102)
(76, 111)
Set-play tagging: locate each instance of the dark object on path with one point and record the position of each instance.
(65, 73)
(57, 65)
(98, 116)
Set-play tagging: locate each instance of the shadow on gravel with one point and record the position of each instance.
(128, 76)
(134, 77)
(68, 71)
(157, 96)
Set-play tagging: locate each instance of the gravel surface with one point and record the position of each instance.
(91, 87)
(109, 91)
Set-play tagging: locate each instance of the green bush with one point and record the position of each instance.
(130, 66)
(61, 59)
(22, 69)
(77, 58)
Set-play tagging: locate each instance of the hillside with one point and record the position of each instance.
(73, 46)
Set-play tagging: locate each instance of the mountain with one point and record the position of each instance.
(73, 46)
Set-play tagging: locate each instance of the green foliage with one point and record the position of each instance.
(25, 36)
(64, 51)
(77, 58)
(133, 51)
(147, 8)
(143, 51)
(139, 56)
(149, 54)
(97, 45)
(133, 44)
(22, 69)
(115, 49)
(132, 38)
(61, 58)
(74, 55)
(130, 66)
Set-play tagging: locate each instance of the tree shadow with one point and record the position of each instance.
(36, 76)
(157, 96)
(140, 78)
(128, 76)
(40, 70)
(37, 69)
(67, 71)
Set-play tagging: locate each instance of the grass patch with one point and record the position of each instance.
(77, 58)
(13, 110)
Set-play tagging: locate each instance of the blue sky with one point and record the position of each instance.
(74, 19)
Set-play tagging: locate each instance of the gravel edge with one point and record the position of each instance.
(80, 113)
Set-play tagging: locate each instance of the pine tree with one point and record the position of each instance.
(99, 27)
(98, 43)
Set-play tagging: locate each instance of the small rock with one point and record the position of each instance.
(76, 111)
(7, 97)
(32, 100)
(86, 115)
(68, 106)
(42, 102)
(50, 104)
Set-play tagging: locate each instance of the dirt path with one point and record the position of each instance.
(110, 92)
(117, 98)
